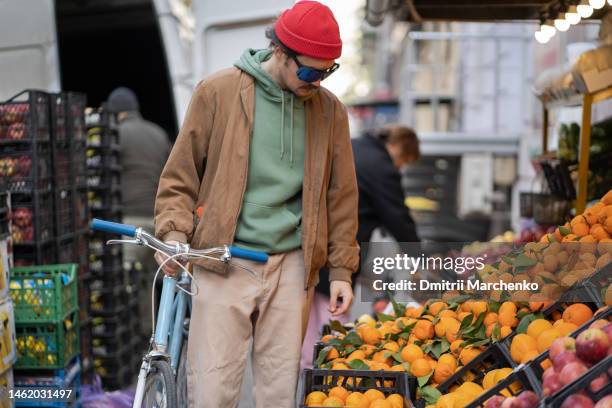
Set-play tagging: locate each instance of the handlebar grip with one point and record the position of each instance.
(256, 256)
(113, 227)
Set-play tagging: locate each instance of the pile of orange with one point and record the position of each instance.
(341, 397)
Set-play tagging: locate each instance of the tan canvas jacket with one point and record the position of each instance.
(208, 167)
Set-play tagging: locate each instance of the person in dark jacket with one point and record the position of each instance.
(144, 150)
(379, 155)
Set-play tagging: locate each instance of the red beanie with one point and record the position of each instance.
(309, 28)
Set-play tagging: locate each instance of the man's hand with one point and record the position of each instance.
(170, 268)
(340, 289)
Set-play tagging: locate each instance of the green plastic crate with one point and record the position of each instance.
(47, 345)
(45, 293)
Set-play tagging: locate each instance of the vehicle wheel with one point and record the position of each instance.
(181, 377)
(160, 387)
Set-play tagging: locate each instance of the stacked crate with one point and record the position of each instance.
(114, 303)
(26, 171)
(68, 135)
(47, 329)
(7, 319)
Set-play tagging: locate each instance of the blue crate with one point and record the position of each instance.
(70, 377)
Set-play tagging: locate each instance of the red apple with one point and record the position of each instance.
(577, 401)
(495, 402)
(592, 345)
(605, 402)
(599, 324)
(509, 402)
(551, 384)
(571, 372)
(528, 399)
(17, 131)
(564, 359)
(560, 345)
(548, 372)
(598, 383)
(608, 330)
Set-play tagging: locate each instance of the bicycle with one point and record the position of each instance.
(162, 375)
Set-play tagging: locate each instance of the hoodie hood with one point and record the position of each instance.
(250, 62)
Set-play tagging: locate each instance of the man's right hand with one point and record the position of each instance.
(171, 267)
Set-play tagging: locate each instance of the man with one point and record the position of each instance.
(379, 155)
(265, 151)
(144, 150)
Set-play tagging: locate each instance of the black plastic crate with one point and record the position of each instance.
(98, 247)
(76, 103)
(25, 118)
(102, 158)
(57, 103)
(81, 209)
(521, 379)
(131, 307)
(107, 179)
(64, 212)
(62, 167)
(600, 281)
(38, 254)
(66, 250)
(79, 165)
(583, 385)
(109, 299)
(118, 380)
(99, 264)
(105, 365)
(26, 168)
(388, 382)
(32, 218)
(100, 200)
(102, 136)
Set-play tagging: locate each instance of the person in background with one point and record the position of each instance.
(144, 150)
(379, 155)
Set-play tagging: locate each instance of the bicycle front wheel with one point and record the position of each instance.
(160, 387)
(181, 377)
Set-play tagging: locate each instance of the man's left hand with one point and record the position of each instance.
(340, 289)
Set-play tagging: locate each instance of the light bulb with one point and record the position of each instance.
(548, 29)
(610, 2)
(597, 4)
(584, 10)
(572, 16)
(562, 24)
(541, 37)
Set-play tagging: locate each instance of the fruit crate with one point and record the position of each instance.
(98, 265)
(102, 158)
(86, 350)
(583, 385)
(106, 180)
(81, 209)
(114, 361)
(32, 218)
(64, 212)
(65, 378)
(388, 382)
(98, 247)
(7, 382)
(57, 103)
(109, 299)
(521, 379)
(119, 380)
(8, 349)
(38, 254)
(600, 281)
(102, 136)
(25, 118)
(104, 200)
(44, 293)
(66, 247)
(75, 116)
(131, 307)
(62, 167)
(84, 300)
(26, 168)
(48, 345)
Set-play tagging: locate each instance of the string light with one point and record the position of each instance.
(585, 10)
(562, 24)
(541, 37)
(597, 4)
(572, 16)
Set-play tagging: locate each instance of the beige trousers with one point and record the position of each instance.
(271, 308)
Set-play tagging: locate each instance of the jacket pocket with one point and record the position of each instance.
(267, 226)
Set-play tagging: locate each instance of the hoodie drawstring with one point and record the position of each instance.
(291, 124)
(282, 132)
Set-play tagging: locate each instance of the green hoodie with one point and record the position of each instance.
(271, 214)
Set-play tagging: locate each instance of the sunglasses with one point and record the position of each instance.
(310, 74)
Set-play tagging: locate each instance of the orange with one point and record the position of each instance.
(466, 306)
(448, 313)
(373, 394)
(381, 403)
(391, 346)
(577, 220)
(333, 402)
(551, 262)
(315, 399)
(333, 354)
(564, 328)
(379, 356)
(468, 354)
(529, 356)
(456, 348)
(436, 307)
(479, 307)
(490, 328)
(445, 324)
(413, 311)
(327, 338)
(367, 349)
(370, 335)
(339, 366)
(411, 352)
(505, 331)
(580, 229)
(507, 307)
(577, 314)
(357, 400)
(508, 319)
(449, 360)
(538, 326)
(490, 318)
(398, 367)
(396, 401)
(546, 339)
(599, 232)
(356, 355)
(536, 306)
(521, 345)
(442, 373)
(607, 199)
(339, 392)
(423, 330)
(420, 367)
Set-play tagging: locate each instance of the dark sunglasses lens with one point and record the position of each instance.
(308, 75)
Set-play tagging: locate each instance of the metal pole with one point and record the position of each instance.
(544, 129)
(583, 161)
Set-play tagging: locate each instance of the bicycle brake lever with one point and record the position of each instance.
(123, 241)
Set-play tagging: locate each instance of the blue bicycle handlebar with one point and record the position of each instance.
(130, 231)
(256, 256)
(113, 227)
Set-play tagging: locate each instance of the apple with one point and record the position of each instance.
(551, 384)
(509, 402)
(608, 330)
(571, 372)
(495, 402)
(548, 372)
(592, 345)
(563, 359)
(605, 402)
(560, 345)
(17, 131)
(528, 399)
(577, 401)
(599, 324)
(599, 383)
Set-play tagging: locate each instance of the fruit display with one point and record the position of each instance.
(339, 397)
(7, 335)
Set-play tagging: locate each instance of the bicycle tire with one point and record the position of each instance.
(160, 387)
(181, 377)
